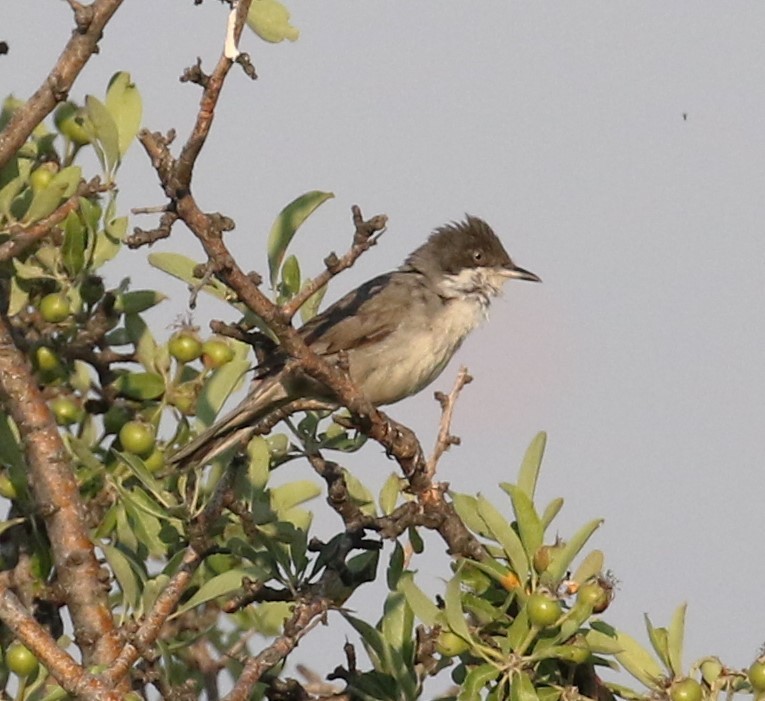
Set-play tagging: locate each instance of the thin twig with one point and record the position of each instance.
(445, 439)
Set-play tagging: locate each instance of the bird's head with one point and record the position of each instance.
(466, 258)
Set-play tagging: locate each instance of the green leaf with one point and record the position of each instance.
(311, 306)
(286, 225)
(288, 495)
(518, 630)
(63, 185)
(529, 525)
(552, 510)
(361, 496)
(182, 267)
(123, 101)
(563, 559)
(676, 633)
(109, 241)
(221, 585)
(638, 662)
(142, 338)
(105, 132)
(420, 603)
(290, 278)
(505, 536)
(591, 566)
(73, 248)
(389, 494)
(139, 470)
(385, 658)
(140, 385)
(226, 380)
(602, 644)
(659, 642)
(532, 461)
(395, 567)
(126, 571)
(455, 616)
(138, 301)
(476, 679)
(397, 624)
(466, 507)
(522, 688)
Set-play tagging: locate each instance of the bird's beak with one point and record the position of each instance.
(516, 273)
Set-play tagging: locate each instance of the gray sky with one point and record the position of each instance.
(561, 123)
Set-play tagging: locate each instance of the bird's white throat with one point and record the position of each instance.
(477, 284)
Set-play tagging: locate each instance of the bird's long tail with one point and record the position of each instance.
(235, 427)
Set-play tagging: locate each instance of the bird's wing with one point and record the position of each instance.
(364, 316)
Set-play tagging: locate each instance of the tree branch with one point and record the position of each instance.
(57, 496)
(90, 22)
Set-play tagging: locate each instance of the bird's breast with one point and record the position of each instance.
(417, 351)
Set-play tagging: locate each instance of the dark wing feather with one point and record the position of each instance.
(354, 321)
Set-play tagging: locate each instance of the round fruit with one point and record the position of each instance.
(543, 609)
(20, 660)
(47, 360)
(450, 644)
(216, 352)
(7, 489)
(686, 690)
(54, 307)
(756, 675)
(66, 411)
(594, 595)
(184, 346)
(69, 121)
(137, 437)
(40, 177)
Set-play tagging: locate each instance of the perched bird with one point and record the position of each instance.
(398, 330)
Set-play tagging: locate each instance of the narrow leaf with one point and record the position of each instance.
(591, 566)
(639, 662)
(505, 536)
(286, 225)
(532, 461)
(552, 510)
(420, 603)
(475, 681)
(676, 634)
(562, 562)
(455, 616)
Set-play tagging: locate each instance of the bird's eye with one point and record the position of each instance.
(477, 256)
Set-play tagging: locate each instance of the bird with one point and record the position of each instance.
(394, 333)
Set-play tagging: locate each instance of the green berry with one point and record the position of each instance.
(756, 675)
(137, 437)
(184, 346)
(216, 352)
(543, 609)
(20, 660)
(69, 120)
(450, 644)
(66, 411)
(686, 690)
(55, 307)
